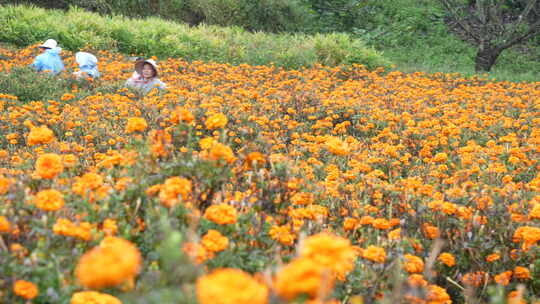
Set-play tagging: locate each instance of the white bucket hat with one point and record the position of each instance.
(49, 44)
(140, 64)
(84, 58)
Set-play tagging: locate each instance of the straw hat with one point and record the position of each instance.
(140, 64)
(49, 44)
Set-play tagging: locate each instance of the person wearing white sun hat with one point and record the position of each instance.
(145, 77)
(49, 59)
(87, 65)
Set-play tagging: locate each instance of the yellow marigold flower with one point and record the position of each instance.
(109, 227)
(447, 259)
(230, 286)
(49, 165)
(336, 146)
(207, 143)
(93, 297)
(282, 234)
(110, 264)
(70, 160)
(40, 135)
(181, 114)
(522, 273)
(4, 185)
(25, 289)
(350, 224)
(49, 200)
(221, 214)
(413, 264)
(394, 234)
(303, 276)
(440, 157)
(329, 251)
(535, 212)
(216, 121)
(492, 257)
(437, 295)
(174, 190)
(375, 254)
(136, 124)
(5, 225)
(214, 241)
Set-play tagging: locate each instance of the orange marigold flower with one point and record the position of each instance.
(4, 184)
(254, 159)
(374, 254)
(181, 114)
(282, 234)
(5, 226)
(503, 278)
(350, 224)
(417, 280)
(113, 262)
(302, 198)
(381, 223)
(216, 121)
(40, 135)
(175, 190)
(220, 151)
(522, 273)
(221, 214)
(214, 241)
(136, 124)
(330, 251)
(413, 264)
(198, 253)
(430, 231)
(230, 286)
(437, 295)
(49, 200)
(516, 297)
(49, 165)
(93, 297)
(492, 257)
(303, 276)
(25, 289)
(447, 259)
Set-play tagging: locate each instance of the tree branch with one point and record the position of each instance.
(533, 30)
(460, 22)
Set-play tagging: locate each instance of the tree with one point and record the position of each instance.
(493, 25)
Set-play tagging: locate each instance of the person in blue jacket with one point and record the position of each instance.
(87, 65)
(49, 59)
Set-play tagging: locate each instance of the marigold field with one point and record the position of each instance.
(253, 184)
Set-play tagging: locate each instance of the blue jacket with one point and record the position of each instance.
(49, 61)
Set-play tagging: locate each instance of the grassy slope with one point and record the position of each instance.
(75, 29)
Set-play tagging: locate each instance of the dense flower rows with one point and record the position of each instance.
(324, 185)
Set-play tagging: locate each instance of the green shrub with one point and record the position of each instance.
(76, 28)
